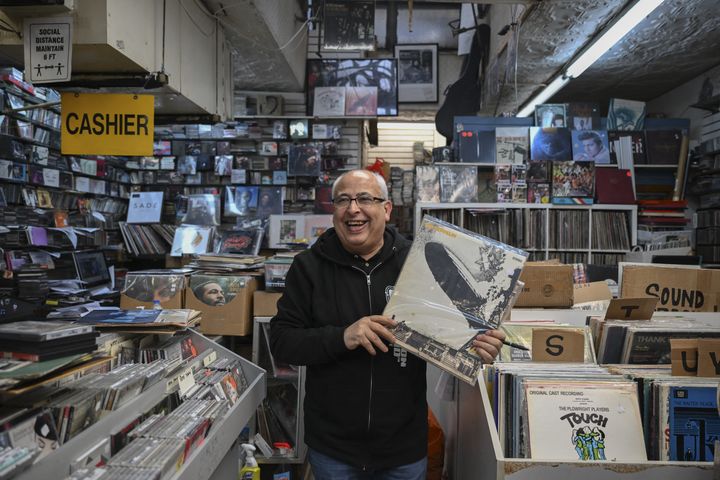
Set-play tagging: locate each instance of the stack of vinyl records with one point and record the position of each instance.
(661, 215)
(32, 282)
(37, 341)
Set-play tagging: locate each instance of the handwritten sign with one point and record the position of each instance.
(558, 345)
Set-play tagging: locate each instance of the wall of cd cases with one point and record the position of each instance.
(597, 234)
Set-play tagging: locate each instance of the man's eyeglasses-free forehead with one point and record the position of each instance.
(363, 200)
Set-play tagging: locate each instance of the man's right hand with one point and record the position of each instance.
(368, 332)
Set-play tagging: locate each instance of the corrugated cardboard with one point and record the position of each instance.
(233, 318)
(678, 289)
(591, 292)
(265, 303)
(546, 285)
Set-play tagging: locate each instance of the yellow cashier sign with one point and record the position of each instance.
(107, 124)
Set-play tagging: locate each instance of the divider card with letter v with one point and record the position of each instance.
(107, 124)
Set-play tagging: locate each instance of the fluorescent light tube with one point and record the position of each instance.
(612, 35)
(542, 97)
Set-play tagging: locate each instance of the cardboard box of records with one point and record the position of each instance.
(547, 284)
(142, 288)
(265, 303)
(225, 302)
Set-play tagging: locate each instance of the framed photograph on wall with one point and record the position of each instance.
(353, 72)
(417, 72)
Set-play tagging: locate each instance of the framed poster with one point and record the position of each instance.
(417, 72)
(375, 72)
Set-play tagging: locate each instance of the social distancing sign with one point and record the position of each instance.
(107, 124)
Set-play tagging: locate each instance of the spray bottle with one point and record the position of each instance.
(249, 471)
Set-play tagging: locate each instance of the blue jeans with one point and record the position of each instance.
(327, 468)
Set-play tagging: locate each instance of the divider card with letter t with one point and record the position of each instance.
(453, 284)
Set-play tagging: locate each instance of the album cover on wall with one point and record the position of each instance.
(202, 209)
(379, 72)
(299, 128)
(190, 239)
(639, 152)
(626, 114)
(512, 145)
(361, 101)
(304, 160)
(538, 192)
(187, 165)
(145, 207)
(349, 26)
(240, 201)
(223, 165)
(427, 183)
(538, 171)
(583, 116)
(329, 102)
(573, 180)
(286, 230)
(550, 144)
(453, 284)
(280, 130)
(323, 199)
(242, 241)
(458, 184)
(591, 146)
(551, 115)
(270, 201)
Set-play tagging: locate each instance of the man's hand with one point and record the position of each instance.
(368, 332)
(488, 344)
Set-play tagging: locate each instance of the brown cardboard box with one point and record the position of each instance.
(546, 285)
(679, 289)
(265, 303)
(142, 287)
(232, 318)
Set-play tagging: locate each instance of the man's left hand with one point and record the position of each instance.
(488, 344)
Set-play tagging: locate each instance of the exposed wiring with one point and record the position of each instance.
(207, 35)
(300, 30)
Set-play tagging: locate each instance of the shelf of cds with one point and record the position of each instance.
(195, 456)
(597, 234)
(279, 419)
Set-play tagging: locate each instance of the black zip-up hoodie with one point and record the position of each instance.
(367, 411)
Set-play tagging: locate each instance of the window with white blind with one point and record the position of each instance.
(396, 139)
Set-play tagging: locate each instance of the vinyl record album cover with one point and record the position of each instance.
(550, 144)
(427, 183)
(190, 239)
(512, 145)
(551, 115)
(586, 421)
(573, 179)
(453, 284)
(591, 146)
(202, 209)
(361, 101)
(626, 114)
(245, 242)
(329, 102)
(304, 160)
(145, 207)
(458, 183)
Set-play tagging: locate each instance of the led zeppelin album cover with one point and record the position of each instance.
(454, 284)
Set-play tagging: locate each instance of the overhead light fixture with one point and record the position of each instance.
(544, 95)
(601, 44)
(628, 21)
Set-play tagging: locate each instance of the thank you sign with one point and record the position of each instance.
(48, 49)
(107, 124)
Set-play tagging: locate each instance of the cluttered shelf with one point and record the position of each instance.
(173, 385)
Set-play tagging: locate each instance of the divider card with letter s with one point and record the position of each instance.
(453, 284)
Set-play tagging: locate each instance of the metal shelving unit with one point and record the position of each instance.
(204, 461)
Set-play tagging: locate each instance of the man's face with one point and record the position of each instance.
(361, 229)
(591, 147)
(547, 146)
(213, 294)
